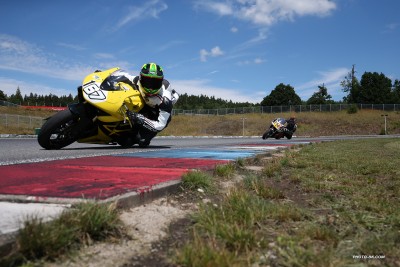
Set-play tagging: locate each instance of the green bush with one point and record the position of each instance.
(352, 109)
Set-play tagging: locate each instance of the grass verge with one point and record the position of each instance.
(328, 204)
(39, 241)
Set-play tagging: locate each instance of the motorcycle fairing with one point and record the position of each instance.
(112, 98)
(113, 102)
(279, 123)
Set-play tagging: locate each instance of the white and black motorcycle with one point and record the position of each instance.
(281, 128)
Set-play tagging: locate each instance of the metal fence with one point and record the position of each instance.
(285, 109)
(8, 104)
(19, 121)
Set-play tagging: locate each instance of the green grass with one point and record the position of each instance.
(323, 205)
(261, 188)
(195, 180)
(38, 241)
(227, 170)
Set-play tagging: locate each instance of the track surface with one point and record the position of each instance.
(103, 172)
(25, 150)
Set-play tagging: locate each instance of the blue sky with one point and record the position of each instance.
(236, 50)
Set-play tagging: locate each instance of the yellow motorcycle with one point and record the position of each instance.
(99, 117)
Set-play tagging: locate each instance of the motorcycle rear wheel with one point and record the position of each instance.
(126, 142)
(59, 131)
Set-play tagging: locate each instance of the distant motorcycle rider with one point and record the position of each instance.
(290, 128)
(158, 96)
(280, 128)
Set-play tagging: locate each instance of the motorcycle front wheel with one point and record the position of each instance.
(268, 134)
(59, 131)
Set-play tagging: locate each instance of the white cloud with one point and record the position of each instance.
(213, 72)
(268, 12)
(168, 45)
(12, 45)
(389, 28)
(331, 79)
(148, 9)
(9, 87)
(261, 37)
(72, 46)
(104, 56)
(217, 7)
(214, 52)
(254, 61)
(392, 26)
(265, 13)
(234, 29)
(258, 61)
(203, 55)
(18, 55)
(204, 87)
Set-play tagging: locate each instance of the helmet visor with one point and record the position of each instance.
(151, 85)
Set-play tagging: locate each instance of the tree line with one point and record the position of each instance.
(38, 100)
(373, 88)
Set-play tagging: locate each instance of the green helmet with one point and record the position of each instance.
(151, 78)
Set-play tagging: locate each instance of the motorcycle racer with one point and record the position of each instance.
(158, 96)
(280, 128)
(290, 128)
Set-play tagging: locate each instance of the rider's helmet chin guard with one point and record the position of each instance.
(151, 78)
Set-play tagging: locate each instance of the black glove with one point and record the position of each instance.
(135, 117)
(166, 105)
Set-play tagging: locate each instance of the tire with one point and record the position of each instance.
(279, 135)
(267, 134)
(59, 131)
(144, 144)
(126, 142)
